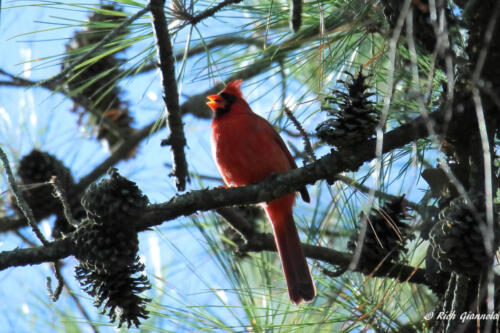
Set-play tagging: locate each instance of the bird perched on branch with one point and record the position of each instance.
(247, 149)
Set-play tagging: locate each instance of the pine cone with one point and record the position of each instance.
(356, 120)
(96, 77)
(39, 167)
(385, 233)
(98, 81)
(114, 200)
(117, 292)
(457, 241)
(436, 278)
(107, 246)
(105, 249)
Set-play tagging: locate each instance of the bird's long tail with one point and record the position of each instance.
(297, 275)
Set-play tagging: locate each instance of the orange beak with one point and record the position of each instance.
(214, 101)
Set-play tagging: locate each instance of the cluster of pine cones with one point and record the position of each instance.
(106, 239)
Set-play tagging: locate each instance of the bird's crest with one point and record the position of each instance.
(233, 88)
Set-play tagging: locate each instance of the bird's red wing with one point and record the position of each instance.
(303, 191)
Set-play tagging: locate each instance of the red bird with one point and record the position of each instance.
(247, 149)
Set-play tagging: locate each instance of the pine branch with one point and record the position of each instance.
(380, 194)
(307, 143)
(229, 40)
(21, 203)
(325, 168)
(166, 61)
(196, 103)
(203, 200)
(211, 11)
(257, 242)
(78, 99)
(61, 249)
(85, 56)
(53, 251)
(276, 186)
(400, 272)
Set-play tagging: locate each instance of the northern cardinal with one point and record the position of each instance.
(247, 149)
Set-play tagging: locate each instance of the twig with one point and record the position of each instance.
(56, 266)
(54, 295)
(336, 273)
(61, 195)
(21, 203)
(106, 39)
(307, 144)
(211, 11)
(24, 238)
(166, 62)
(237, 222)
(297, 135)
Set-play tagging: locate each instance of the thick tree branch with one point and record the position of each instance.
(53, 251)
(166, 63)
(265, 242)
(256, 242)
